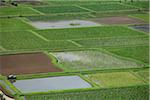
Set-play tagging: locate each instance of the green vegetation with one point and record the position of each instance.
(114, 79)
(95, 60)
(144, 17)
(113, 59)
(140, 4)
(12, 24)
(91, 32)
(144, 74)
(126, 93)
(112, 42)
(17, 11)
(60, 9)
(60, 17)
(26, 40)
(136, 52)
(108, 7)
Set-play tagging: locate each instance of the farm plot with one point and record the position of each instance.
(115, 79)
(60, 17)
(63, 24)
(51, 83)
(108, 7)
(136, 52)
(12, 24)
(144, 74)
(114, 41)
(18, 64)
(26, 40)
(144, 17)
(92, 60)
(144, 28)
(141, 4)
(90, 32)
(118, 20)
(126, 93)
(60, 9)
(18, 11)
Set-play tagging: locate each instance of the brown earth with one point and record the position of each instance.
(26, 64)
(118, 20)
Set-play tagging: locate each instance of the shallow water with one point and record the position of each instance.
(144, 28)
(63, 24)
(51, 83)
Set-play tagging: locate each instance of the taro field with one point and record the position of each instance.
(74, 50)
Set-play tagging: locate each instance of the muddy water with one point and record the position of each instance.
(63, 24)
(51, 83)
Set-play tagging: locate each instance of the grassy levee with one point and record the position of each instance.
(122, 93)
(8, 87)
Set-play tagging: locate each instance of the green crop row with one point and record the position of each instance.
(59, 17)
(18, 11)
(91, 32)
(125, 93)
(26, 40)
(112, 42)
(136, 52)
(60, 9)
(13, 24)
(108, 7)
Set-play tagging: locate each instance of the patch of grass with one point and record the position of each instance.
(126, 93)
(92, 60)
(17, 11)
(58, 17)
(115, 79)
(91, 32)
(144, 17)
(60, 9)
(140, 4)
(112, 42)
(25, 40)
(136, 52)
(144, 74)
(108, 7)
(12, 24)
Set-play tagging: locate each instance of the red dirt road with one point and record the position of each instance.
(26, 64)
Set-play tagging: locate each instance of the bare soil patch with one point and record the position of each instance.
(26, 64)
(118, 20)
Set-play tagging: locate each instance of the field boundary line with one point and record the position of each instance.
(122, 57)
(41, 37)
(75, 43)
(26, 22)
(138, 76)
(132, 16)
(2, 48)
(84, 8)
(113, 37)
(125, 4)
(36, 11)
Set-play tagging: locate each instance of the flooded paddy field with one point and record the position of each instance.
(51, 83)
(63, 24)
(144, 28)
